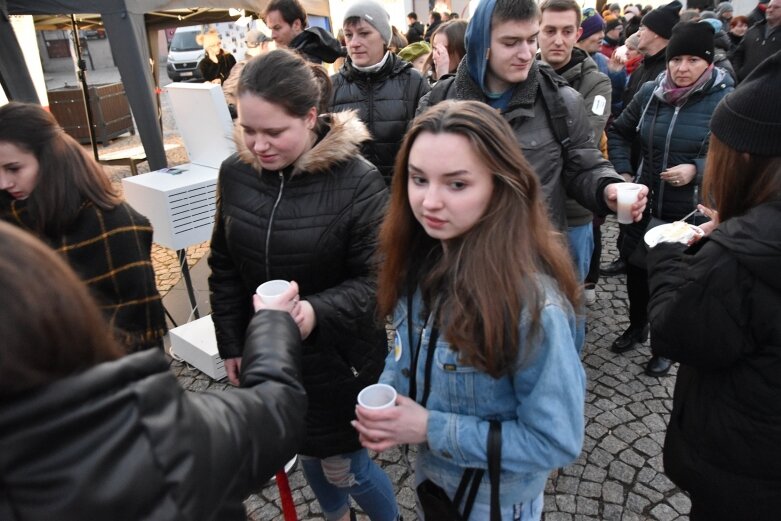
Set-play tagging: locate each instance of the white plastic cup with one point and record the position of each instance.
(627, 196)
(270, 291)
(377, 396)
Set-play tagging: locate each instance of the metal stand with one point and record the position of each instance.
(182, 254)
(81, 73)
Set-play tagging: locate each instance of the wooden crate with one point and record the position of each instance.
(110, 111)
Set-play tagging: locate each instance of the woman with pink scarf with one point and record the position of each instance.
(670, 117)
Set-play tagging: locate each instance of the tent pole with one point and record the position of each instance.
(81, 67)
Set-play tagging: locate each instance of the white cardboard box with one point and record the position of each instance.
(196, 344)
(180, 206)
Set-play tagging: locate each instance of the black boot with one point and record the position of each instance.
(630, 339)
(658, 366)
(616, 267)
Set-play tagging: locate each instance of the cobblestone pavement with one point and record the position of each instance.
(619, 474)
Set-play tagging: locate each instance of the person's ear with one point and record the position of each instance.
(311, 118)
(297, 25)
(580, 31)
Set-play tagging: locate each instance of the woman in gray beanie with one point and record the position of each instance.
(382, 87)
(669, 117)
(715, 308)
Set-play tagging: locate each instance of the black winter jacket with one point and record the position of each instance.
(415, 32)
(315, 223)
(123, 441)
(716, 308)
(754, 48)
(649, 70)
(386, 102)
(669, 136)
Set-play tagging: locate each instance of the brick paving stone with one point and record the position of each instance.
(680, 502)
(589, 489)
(650, 494)
(612, 513)
(631, 457)
(622, 472)
(587, 506)
(636, 503)
(594, 473)
(613, 492)
(662, 483)
(663, 512)
(567, 485)
(566, 503)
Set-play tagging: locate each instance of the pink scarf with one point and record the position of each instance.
(674, 95)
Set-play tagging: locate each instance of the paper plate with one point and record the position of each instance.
(679, 232)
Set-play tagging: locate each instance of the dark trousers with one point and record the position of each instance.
(592, 277)
(637, 289)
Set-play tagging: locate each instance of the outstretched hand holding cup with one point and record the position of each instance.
(276, 294)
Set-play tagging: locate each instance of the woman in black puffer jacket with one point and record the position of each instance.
(298, 202)
(86, 433)
(715, 308)
(670, 117)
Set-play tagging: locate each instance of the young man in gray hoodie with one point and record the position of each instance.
(500, 70)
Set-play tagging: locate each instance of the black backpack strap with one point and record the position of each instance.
(494, 466)
(554, 106)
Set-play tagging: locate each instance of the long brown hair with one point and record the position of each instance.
(489, 275)
(50, 325)
(67, 176)
(734, 182)
(454, 31)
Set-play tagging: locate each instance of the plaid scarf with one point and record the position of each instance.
(110, 250)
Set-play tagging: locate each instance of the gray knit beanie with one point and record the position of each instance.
(372, 13)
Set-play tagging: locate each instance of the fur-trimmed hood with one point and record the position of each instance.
(341, 138)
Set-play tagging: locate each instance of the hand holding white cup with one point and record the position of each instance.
(626, 196)
(276, 294)
(377, 396)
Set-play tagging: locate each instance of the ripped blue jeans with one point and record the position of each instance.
(336, 478)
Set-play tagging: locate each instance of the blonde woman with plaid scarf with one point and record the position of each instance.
(50, 187)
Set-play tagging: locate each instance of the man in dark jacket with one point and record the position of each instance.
(415, 29)
(559, 30)
(533, 100)
(655, 31)
(288, 23)
(384, 89)
(434, 21)
(760, 42)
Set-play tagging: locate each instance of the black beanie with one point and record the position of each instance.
(747, 119)
(662, 19)
(692, 38)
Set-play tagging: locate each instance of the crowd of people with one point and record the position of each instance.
(443, 188)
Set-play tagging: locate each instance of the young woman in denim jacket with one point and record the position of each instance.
(467, 235)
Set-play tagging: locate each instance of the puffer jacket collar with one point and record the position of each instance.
(393, 67)
(339, 141)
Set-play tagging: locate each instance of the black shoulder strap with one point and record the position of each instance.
(494, 466)
(554, 106)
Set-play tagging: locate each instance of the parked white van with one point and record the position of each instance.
(184, 54)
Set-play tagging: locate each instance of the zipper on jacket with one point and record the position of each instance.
(666, 155)
(370, 122)
(271, 223)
